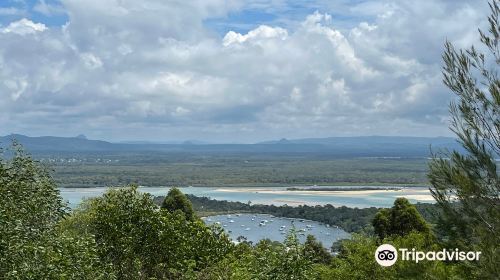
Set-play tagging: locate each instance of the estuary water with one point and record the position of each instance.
(261, 226)
(277, 195)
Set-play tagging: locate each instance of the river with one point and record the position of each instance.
(277, 195)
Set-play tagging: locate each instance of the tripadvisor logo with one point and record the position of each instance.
(387, 255)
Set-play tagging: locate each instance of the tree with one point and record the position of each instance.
(177, 201)
(401, 219)
(142, 242)
(356, 260)
(32, 246)
(467, 186)
(382, 223)
(315, 252)
(267, 260)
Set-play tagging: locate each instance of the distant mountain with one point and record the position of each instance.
(52, 143)
(369, 140)
(366, 146)
(372, 144)
(187, 142)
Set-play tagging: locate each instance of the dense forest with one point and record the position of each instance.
(226, 170)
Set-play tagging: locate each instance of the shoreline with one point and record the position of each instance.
(271, 185)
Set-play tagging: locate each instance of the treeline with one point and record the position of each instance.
(349, 219)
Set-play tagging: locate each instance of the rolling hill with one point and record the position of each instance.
(364, 146)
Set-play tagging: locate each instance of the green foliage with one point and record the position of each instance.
(315, 251)
(349, 219)
(142, 242)
(356, 261)
(401, 219)
(31, 244)
(31, 203)
(266, 261)
(467, 186)
(177, 201)
(58, 256)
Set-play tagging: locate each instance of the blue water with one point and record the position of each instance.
(243, 225)
(261, 226)
(275, 195)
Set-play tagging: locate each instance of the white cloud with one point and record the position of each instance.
(16, 87)
(91, 61)
(124, 68)
(260, 33)
(23, 27)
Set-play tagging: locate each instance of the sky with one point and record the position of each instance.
(229, 71)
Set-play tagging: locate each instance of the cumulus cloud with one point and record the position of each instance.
(23, 27)
(261, 32)
(153, 69)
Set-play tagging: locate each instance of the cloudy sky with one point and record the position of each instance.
(228, 71)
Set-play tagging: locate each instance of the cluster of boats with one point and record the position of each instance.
(265, 222)
(261, 226)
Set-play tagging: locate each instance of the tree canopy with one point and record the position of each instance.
(467, 186)
(177, 201)
(32, 245)
(401, 219)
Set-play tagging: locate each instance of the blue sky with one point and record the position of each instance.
(228, 71)
(241, 20)
(20, 9)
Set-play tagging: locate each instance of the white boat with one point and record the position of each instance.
(231, 221)
(247, 229)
